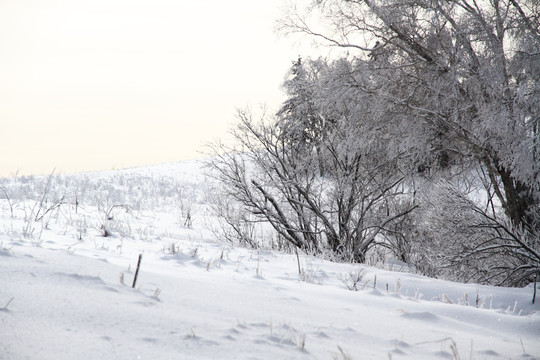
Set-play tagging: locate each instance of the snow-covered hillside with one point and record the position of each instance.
(66, 290)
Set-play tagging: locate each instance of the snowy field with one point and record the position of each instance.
(66, 290)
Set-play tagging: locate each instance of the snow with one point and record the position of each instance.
(197, 297)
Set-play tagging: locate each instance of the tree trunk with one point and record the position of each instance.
(519, 200)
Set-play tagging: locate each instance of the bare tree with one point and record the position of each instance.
(280, 183)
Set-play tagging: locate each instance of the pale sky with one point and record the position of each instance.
(101, 84)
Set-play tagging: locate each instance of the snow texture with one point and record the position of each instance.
(197, 297)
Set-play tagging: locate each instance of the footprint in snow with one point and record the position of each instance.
(423, 316)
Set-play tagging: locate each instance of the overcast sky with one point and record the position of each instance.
(101, 84)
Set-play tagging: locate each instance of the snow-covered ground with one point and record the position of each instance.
(65, 290)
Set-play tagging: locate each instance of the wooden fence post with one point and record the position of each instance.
(137, 271)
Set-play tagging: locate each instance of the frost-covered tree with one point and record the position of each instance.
(465, 76)
(456, 84)
(300, 121)
(341, 213)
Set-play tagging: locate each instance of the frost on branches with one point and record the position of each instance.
(422, 141)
